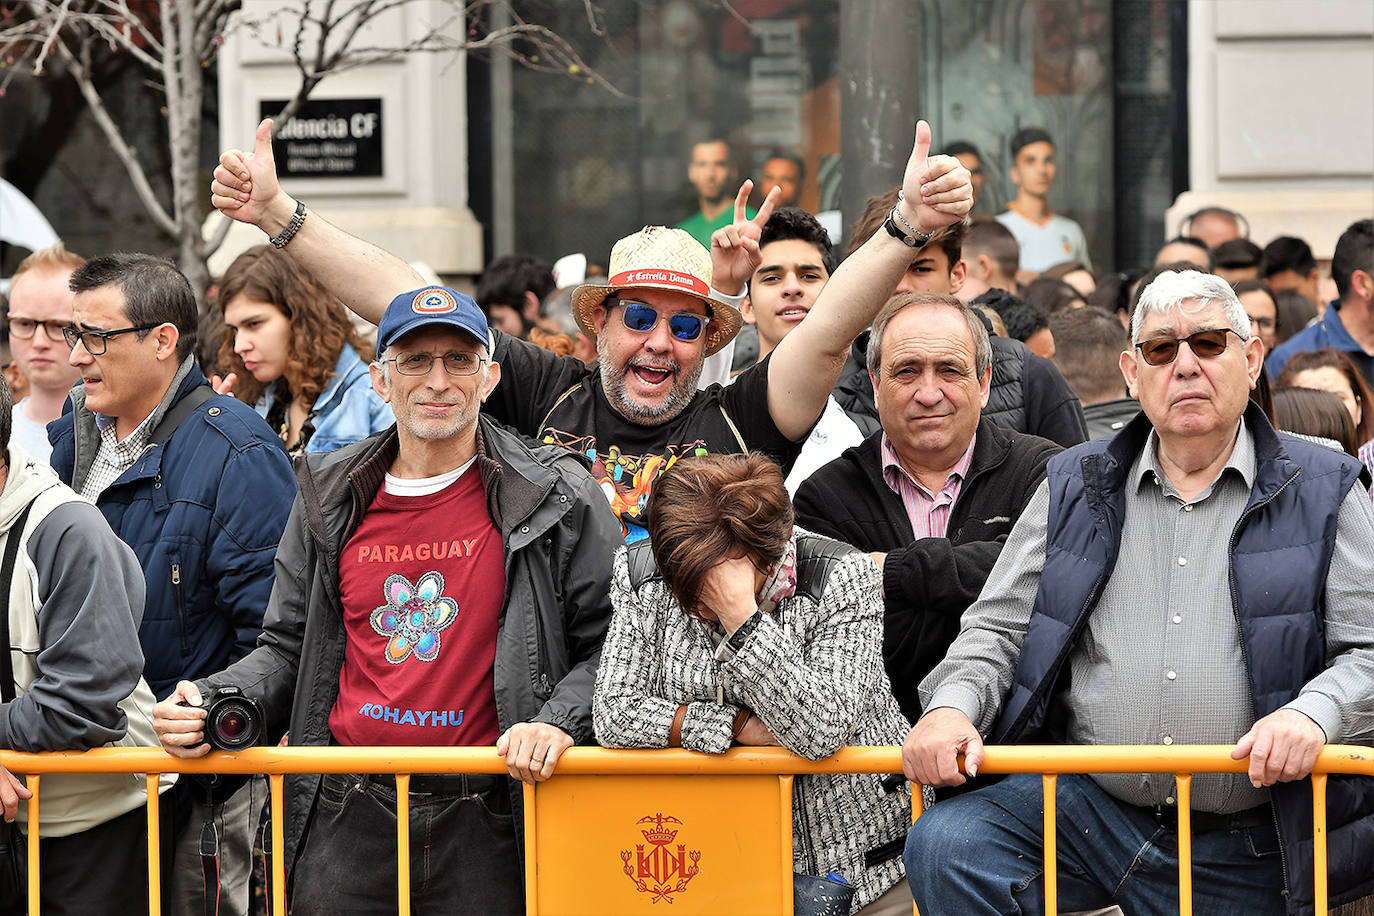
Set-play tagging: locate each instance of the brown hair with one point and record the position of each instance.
(54, 257)
(949, 239)
(1315, 413)
(1331, 358)
(557, 344)
(982, 347)
(1087, 349)
(709, 507)
(319, 324)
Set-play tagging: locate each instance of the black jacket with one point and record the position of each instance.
(559, 536)
(927, 584)
(1028, 395)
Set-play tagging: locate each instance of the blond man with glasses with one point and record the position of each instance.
(40, 307)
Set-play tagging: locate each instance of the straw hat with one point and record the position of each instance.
(657, 257)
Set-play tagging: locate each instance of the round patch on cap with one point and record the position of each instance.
(433, 301)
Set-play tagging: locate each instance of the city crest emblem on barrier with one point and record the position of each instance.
(663, 868)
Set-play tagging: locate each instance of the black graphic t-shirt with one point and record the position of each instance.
(559, 400)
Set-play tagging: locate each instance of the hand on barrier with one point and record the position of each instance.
(245, 185)
(930, 752)
(1283, 746)
(756, 734)
(179, 722)
(531, 749)
(12, 789)
(735, 248)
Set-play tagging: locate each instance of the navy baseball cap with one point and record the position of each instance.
(431, 305)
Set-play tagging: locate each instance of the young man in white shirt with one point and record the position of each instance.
(1046, 238)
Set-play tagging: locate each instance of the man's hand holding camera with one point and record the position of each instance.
(179, 722)
(183, 721)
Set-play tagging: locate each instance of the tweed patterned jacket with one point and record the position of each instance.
(812, 671)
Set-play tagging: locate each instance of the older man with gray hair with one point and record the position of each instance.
(1198, 579)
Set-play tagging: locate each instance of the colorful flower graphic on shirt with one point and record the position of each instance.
(413, 616)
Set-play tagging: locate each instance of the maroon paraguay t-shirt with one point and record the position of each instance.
(422, 581)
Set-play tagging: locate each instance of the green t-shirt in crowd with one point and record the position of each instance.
(698, 228)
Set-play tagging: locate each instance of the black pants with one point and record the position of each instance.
(101, 870)
(464, 857)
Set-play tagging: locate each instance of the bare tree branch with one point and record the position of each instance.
(221, 233)
(58, 21)
(123, 151)
(174, 40)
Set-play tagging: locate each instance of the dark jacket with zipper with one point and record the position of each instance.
(203, 513)
(927, 583)
(559, 537)
(1281, 549)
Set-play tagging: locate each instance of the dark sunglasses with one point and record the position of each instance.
(642, 317)
(1161, 351)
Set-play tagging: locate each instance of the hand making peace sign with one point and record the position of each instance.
(735, 248)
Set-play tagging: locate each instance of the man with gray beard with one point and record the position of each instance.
(442, 584)
(668, 304)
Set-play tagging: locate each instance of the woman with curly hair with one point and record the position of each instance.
(733, 627)
(295, 355)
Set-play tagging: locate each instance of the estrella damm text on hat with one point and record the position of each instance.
(433, 301)
(682, 281)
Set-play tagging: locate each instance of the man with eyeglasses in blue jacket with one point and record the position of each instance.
(198, 485)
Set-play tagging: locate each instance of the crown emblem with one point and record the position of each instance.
(665, 868)
(658, 834)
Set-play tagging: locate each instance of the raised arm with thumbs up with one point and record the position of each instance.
(361, 275)
(804, 367)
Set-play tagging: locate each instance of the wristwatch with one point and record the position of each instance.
(908, 234)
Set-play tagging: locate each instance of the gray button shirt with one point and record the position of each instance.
(1160, 661)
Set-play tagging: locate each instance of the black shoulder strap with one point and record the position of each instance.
(642, 566)
(816, 557)
(16, 534)
(180, 411)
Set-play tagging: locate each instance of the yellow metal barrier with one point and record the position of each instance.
(646, 835)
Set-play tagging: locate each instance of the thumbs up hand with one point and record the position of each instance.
(245, 185)
(938, 190)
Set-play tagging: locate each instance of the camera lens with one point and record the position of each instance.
(234, 723)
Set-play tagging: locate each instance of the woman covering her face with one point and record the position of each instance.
(733, 627)
(295, 355)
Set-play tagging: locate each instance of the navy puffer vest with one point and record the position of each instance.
(1280, 551)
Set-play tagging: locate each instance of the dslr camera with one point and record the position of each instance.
(232, 721)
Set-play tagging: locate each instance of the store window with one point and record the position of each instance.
(590, 166)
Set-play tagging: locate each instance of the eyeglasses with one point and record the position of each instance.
(95, 342)
(25, 328)
(643, 318)
(456, 363)
(1161, 351)
(1264, 324)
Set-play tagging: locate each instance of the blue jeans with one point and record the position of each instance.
(464, 856)
(983, 853)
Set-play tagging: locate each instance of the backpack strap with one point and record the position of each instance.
(544, 423)
(16, 533)
(180, 411)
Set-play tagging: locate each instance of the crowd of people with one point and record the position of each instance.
(957, 488)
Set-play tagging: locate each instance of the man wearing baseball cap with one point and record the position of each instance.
(439, 583)
(668, 304)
